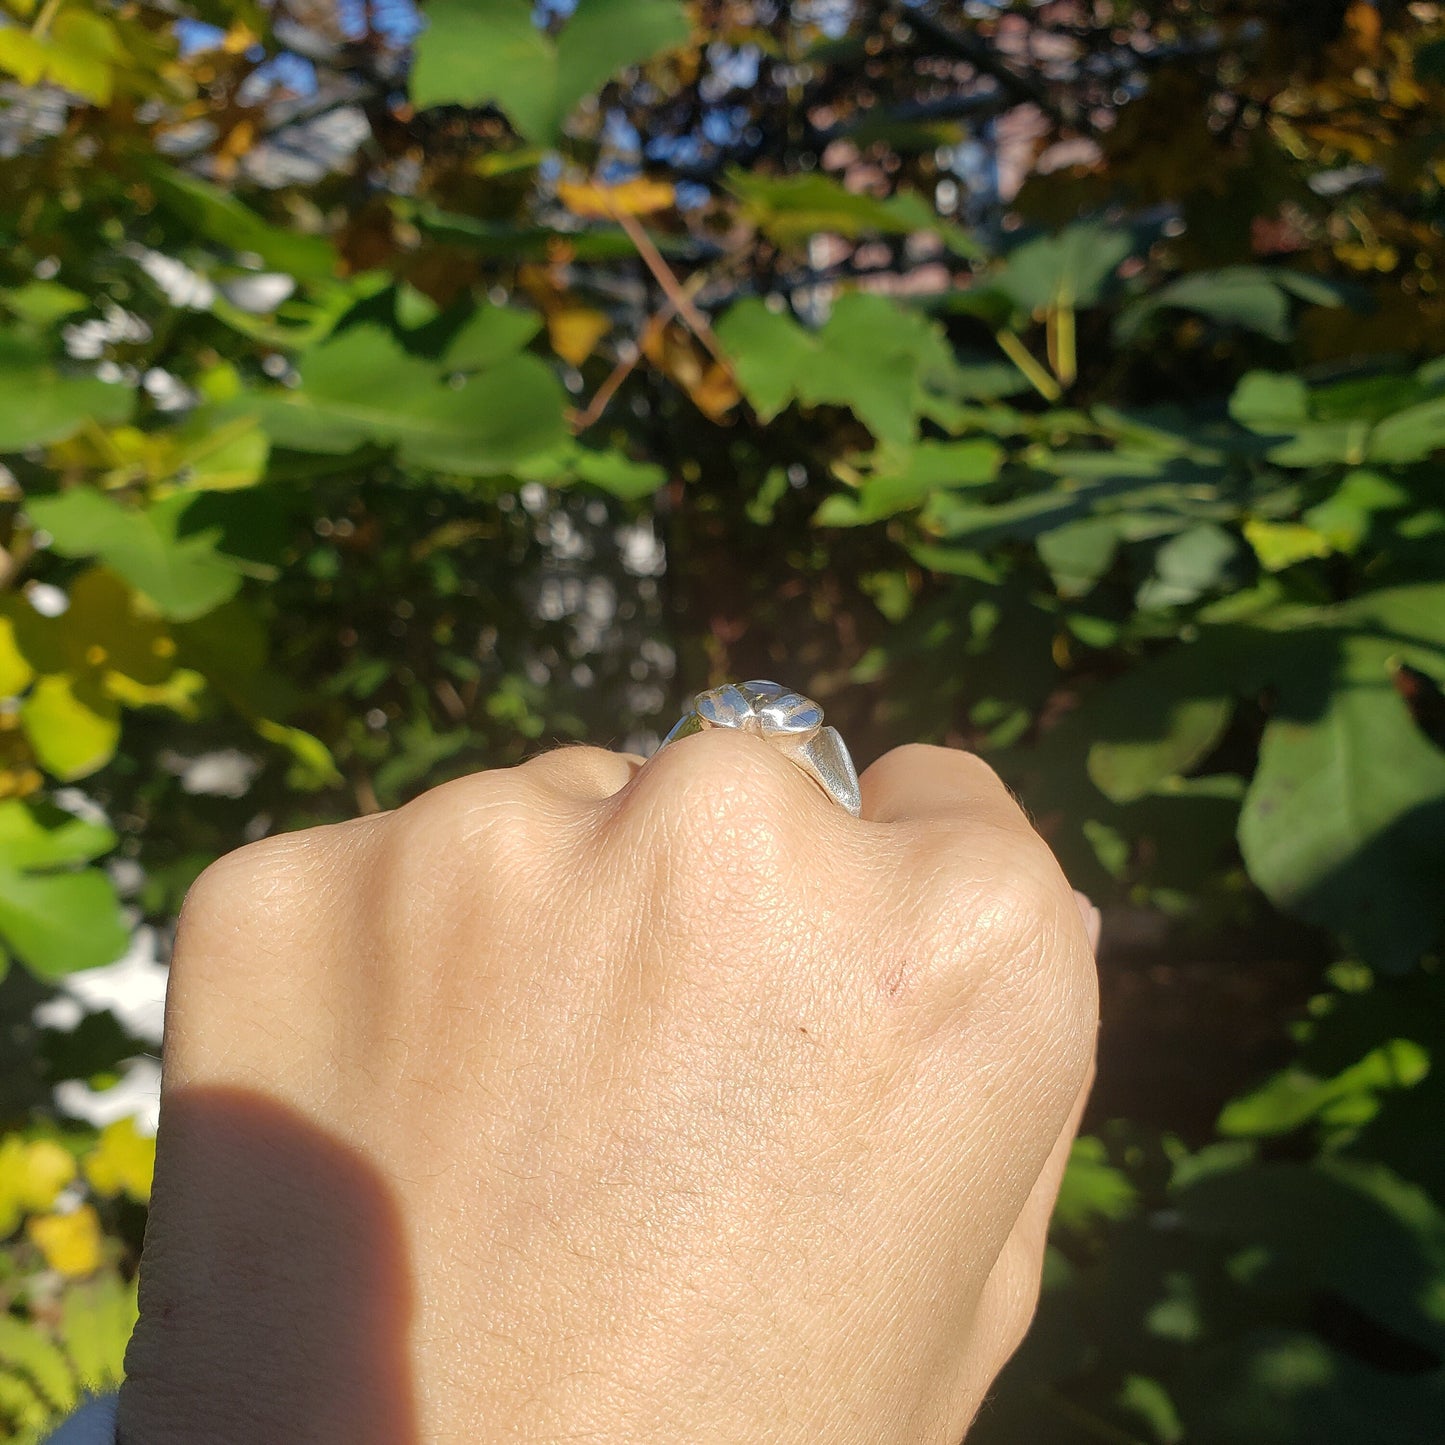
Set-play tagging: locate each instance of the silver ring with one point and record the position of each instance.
(789, 721)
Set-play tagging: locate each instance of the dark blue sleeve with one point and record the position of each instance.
(92, 1424)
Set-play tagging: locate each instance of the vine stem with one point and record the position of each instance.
(1022, 358)
(673, 289)
(41, 27)
(580, 421)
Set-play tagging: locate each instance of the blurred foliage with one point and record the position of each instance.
(385, 396)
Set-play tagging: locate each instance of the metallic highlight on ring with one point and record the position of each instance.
(786, 719)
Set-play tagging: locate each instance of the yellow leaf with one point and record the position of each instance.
(575, 331)
(32, 1174)
(1362, 20)
(70, 1243)
(676, 354)
(714, 393)
(239, 38)
(595, 202)
(80, 52)
(22, 55)
(71, 724)
(1374, 257)
(15, 672)
(180, 692)
(122, 1161)
(1281, 544)
(224, 458)
(46, 1169)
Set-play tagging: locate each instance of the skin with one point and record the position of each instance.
(590, 1101)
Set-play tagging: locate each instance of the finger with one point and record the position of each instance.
(581, 773)
(920, 781)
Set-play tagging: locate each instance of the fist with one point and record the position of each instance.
(598, 1100)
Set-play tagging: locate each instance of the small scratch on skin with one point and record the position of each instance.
(893, 979)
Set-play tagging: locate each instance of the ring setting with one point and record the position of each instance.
(785, 719)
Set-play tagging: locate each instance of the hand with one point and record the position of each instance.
(592, 1101)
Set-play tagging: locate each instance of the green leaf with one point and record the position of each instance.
(769, 351)
(77, 54)
(490, 335)
(1357, 1230)
(1176, 734)
(39, 405)
(1344, 518)
(619, 474)
(1093, 1190)
(312, 766)
(220, 457)
(181, 572)
(105, 630)
(1344, 822)
(361, 386)
(96, 1321)
(904, 478)
(1072, 268)
(218, 216)
(56, 921)
(1198, 560)
(1266, 401)
(489, 52)
(790, 209)
(612, 471)
(1410, 435)
(1294, 1096)
(48, 838)
(604, 37)
(27, 1349)
(872, 356)
(1241, 296)
(1380, 419)
(42, 303)
(1079, 553)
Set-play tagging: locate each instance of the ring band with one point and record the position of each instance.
(789, 721)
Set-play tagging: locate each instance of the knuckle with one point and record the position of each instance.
(722, 827)
(475, 834)
(734, 797)
(241, 914)
(262, 880)
(1002, 923)
(576, 769)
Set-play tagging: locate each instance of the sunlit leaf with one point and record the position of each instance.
(1344, 822)
(362, 387)
(122, 1162)
(179, 570)
(872, 356)
(478, 52)
(597, 202)
(71, 1243)
(1281, 544)
(72, 725)
(38, 404)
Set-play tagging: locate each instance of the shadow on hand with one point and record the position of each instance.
(275, 1293)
